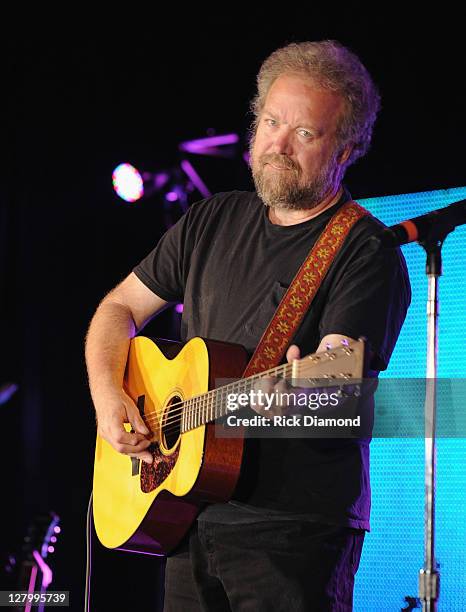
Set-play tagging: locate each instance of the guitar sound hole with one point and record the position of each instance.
(172, 423)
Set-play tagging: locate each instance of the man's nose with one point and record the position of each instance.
(283, 142)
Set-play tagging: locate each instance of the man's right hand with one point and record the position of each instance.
(113, 410)
(120, 315)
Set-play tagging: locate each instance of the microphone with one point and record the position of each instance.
(434, 225)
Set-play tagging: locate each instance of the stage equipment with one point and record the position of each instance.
(175, 183)
(430, 231)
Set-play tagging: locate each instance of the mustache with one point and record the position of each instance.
(279, 160)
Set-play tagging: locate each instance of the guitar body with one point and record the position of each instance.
(149, 508)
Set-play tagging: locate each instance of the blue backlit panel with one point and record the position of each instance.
(394, 550)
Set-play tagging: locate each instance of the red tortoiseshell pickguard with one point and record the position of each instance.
(152, 475)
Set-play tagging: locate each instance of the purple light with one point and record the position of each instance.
(53, 539)
(159, 180)
(128, 183)
(6, 391)
(206, 145)
(46, 571)
(50, 549)
(194, 177)
(171, 196)
(32, 583)
(57, 529)
(140, 552)
(179, 308)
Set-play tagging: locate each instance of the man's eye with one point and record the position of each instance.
(305, 133)
(271, 122)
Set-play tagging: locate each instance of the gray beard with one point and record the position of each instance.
(292, 196)
(286, 192)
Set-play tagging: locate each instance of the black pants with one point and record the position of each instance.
(276, 565)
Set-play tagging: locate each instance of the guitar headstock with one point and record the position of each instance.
(38, 543)
(342, 364)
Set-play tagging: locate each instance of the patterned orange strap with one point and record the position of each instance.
(299, 295)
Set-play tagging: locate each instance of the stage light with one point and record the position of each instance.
(6, 391)
(128, 182)
(132, 185)
(171, 196)
(195, 179)
(178, 182)
(222, 145)
(47, 574)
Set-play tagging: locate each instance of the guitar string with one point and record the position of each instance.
(202, 404)
(206, 397)
(197, 411)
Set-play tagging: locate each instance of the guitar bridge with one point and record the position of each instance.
(135, 466)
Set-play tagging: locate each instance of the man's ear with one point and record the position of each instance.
(344, 154)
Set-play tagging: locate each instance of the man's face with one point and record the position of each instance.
(293, 157)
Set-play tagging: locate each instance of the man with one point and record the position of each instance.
(292, 536)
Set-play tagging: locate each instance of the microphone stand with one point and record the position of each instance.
(429, 577)
(434, 228)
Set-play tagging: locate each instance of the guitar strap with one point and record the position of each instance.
(299, 295)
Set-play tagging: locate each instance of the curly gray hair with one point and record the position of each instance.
(334, 67)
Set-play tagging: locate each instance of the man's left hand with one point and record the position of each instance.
(277, 388)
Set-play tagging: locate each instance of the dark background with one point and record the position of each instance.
(82, 100)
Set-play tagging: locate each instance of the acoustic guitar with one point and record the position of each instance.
(148, 508)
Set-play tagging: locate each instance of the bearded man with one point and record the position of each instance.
(291, 537)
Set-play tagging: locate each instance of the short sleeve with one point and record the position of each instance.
(369, 298)
(164, 269)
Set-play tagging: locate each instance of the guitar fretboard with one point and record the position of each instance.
(213, 405)
(208, 407)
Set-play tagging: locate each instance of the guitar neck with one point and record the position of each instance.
(213, 405)
(342, 364)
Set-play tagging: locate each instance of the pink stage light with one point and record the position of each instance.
(31, 587)
(195, 179)
(179, 308)
(128, 183)
(209, 145)
(47, 574)
(171, 196)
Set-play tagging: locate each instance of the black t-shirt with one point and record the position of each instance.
(231, 266)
